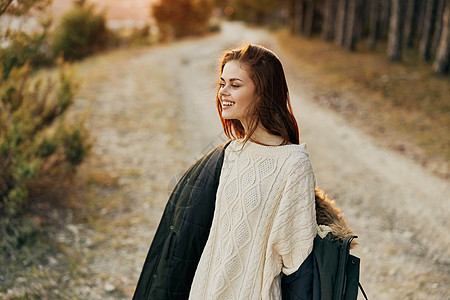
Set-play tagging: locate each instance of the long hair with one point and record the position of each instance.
(272, 107)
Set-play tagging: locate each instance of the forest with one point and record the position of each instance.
(403, 27)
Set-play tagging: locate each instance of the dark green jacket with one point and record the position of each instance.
(184, 228)
(329, 272)
(182, 232)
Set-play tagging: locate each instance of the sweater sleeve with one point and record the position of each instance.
(294, 227)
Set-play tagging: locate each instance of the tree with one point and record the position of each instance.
(299, 16)
(410, 23)
(341, 21)
(309, 18)
(182, 17)
(441, 64)
(394, 51)
(440, 8)
(385, 15)
(373, 23)
(428, 29)
(352, 26)
(329, 20)
(402, 23)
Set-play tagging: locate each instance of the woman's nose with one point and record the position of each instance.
(223, 90)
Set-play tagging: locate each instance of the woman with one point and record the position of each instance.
(244, 213)
(264, 221)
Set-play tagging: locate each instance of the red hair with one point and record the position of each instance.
(272, 108)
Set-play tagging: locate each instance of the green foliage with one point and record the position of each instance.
(74, 144)
(141, 36)
(22, 7)
(180, 18)
(254, 11)
(81, 32)
(35, 143)
(15, 234)
(25, 47)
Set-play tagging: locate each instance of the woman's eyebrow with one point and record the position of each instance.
(232, 79)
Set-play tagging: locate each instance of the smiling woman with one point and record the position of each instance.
(244, 213)
(252, 78)
(236, 93)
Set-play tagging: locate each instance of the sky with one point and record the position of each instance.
(115, 9)
(119, 14)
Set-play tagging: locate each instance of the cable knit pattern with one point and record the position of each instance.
(264, 223)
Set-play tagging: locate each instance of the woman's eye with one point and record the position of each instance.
(222, 85)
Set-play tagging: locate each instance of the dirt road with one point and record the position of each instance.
(153, 113)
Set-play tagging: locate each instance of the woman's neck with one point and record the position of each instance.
(262, 136)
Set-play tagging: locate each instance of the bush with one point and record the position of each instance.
(23, 47)
(80, 33)
(141, 36)
(180, 18)
(35, 143)
(258, 12)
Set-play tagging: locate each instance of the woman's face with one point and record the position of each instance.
(236, 92)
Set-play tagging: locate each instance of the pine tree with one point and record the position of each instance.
(394, 51)
(442, 62)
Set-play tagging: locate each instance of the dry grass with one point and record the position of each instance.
(102, 178)
(405, 104)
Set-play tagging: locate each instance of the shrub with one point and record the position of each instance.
(182, 17)
(24, 46)
(35, 142)
(141, 36)
(80, 33)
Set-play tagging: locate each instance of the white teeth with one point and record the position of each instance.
(227, 103)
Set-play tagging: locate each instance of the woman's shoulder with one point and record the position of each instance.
(289, 151)
(298, 160)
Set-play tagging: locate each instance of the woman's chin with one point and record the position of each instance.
(227, 116)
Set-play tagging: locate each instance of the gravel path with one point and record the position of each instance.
(153, 113)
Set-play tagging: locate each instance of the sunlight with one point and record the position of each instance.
(119, 13)
(136, 10)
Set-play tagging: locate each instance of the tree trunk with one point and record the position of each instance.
(394, 51)
(329, 12)
(421, 17)
(261, 18)
(299, 16)
(384, 18)
(292, 4)
(352, 24)
(362, 15)
(341, 20)
(438, 26)
(441, 64)
(408, 29)
(428, 29)
(309, 18)
(373, 23)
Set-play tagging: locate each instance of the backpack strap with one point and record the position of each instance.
(362, 291)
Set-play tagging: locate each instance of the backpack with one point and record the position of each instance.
(330, 272)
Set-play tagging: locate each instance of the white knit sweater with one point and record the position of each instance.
(264, 223)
